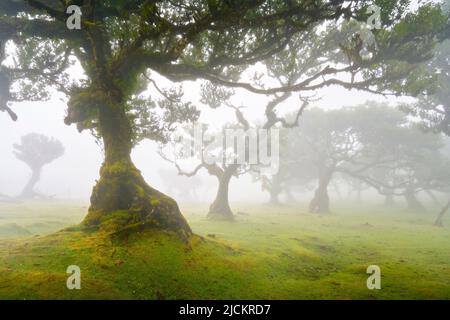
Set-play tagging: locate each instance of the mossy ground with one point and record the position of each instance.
(267, 253)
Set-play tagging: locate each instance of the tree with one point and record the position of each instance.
(215, 157)
(325, 142)
(293, 173)
(402, 159)
(374, 145)
(121, 42)
(36, 151)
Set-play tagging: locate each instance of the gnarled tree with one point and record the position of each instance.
(219, 162)
(121, 41)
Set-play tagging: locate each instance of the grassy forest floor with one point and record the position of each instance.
(267, 253)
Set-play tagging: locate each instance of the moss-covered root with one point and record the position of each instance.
(123, 203)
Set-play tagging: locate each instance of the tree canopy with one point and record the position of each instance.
(376, 145)
(36, 151)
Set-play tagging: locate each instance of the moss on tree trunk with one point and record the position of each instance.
(122, 202)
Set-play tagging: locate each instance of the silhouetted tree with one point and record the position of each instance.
(36, 151)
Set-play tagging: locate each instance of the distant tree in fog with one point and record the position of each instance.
(417, 165)
(221, 169)
(291, 176)
(375, 145)
(36, 151)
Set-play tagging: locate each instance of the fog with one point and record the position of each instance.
(197, 149)
(74, 174)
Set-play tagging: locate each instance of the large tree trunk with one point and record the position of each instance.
(413, 203)
(220, 208)
(28, 192)
(121, 201)
(321, 201)
(440, 219)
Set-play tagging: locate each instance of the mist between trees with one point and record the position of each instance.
(282, 51)
(232, 146)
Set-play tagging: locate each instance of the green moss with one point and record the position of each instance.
(269, 253)
(118, 168)
(155, 202)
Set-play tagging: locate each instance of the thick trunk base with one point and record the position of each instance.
(122, 203)
(320, 203)
(220, 212)
(439, 223)
(28, 192)
(220, 209)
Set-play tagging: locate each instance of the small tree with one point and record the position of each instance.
(325, 142)
(221, 168)
(36, 150)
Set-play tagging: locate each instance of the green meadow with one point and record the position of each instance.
(267, 253)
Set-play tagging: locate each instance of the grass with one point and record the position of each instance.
(268, 253)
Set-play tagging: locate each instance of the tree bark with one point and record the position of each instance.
(321, 201)
(122, 202)
(28, 192)
(440, 219)
(413, 203)
(220, 208)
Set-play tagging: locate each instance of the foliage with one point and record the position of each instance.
(376, 145)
